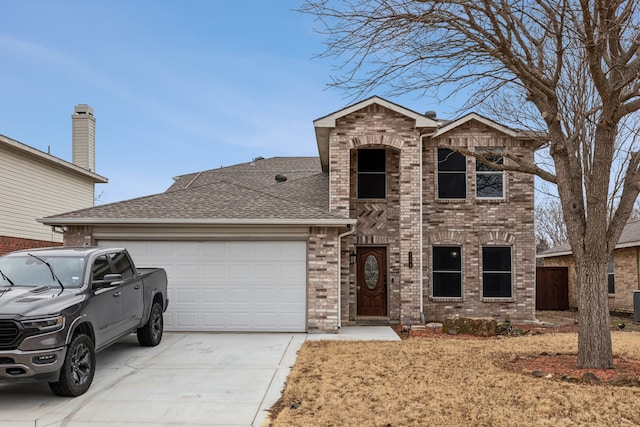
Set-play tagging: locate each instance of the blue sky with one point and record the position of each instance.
(176, 86)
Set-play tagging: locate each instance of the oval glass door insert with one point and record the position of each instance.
(371, 272)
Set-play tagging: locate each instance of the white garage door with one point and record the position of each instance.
(229, 286)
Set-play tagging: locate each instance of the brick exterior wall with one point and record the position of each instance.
(322, 290)
(78, 235)
(626, 277)
(473, 223)
(10, 244)
(393, 223)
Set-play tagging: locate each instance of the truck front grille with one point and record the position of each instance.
(9, 333)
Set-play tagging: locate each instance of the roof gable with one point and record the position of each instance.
(323, 125)
(422, 121)
(452, 125)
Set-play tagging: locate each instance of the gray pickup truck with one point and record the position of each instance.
(59, 306)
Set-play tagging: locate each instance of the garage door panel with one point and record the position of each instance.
(214, 321)
(213, 296)
(215, 271)
(213, 251)
(229, 286)
(186, 296)
(186, 271)
(292, 272)
(186, 320)
(290, 296)
(239, 271)
(239, 320)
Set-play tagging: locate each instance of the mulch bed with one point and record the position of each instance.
(557, 367)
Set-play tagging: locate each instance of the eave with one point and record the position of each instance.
(328, 222)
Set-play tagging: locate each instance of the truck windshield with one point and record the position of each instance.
(29, 271)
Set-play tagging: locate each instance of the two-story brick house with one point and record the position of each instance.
(387, 225)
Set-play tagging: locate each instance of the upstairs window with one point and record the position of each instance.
(489, 181)
(452, 174)
(611, 283)
(372, 174)
(447, 272)
(496, 272)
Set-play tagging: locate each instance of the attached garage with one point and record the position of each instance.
(251, 247)
(229, 285)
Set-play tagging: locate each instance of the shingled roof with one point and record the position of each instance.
(259, 172)
(243, 194)
(630, 237)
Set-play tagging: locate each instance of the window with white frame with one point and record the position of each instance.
(447, 272)
(496, 272)
(372, 173)
(489, 181)
(452, 174)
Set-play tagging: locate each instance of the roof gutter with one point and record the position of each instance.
(191, 221)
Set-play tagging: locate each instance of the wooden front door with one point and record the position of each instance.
(372, 281)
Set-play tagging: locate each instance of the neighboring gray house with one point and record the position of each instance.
(387, 225)
(34, 184)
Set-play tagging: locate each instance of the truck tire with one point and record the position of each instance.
(151, 333)
(79, 366)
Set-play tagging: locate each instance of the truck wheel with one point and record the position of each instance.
(151, 333)
(79, 366)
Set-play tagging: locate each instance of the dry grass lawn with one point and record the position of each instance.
(448, 382)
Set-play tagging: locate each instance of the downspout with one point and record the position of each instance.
(352, 229)
(420, 237)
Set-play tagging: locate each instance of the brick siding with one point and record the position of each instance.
(10, 244)
(79, 235)
(322, 293)
(474, 223)
(394, 222)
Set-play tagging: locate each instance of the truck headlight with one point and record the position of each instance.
(44, 324)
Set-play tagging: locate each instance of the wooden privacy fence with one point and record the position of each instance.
(552, 288)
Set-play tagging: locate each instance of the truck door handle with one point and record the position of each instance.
(117, 294)
(136, 287)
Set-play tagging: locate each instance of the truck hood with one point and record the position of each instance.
(24, 301)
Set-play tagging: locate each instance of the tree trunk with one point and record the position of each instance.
(594, 329)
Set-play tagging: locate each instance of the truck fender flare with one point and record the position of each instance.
(74, 326)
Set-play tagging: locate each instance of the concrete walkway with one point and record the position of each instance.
(190, 379)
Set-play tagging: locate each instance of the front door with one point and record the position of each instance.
(372, 281)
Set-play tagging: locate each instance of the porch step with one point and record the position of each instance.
(372, 321)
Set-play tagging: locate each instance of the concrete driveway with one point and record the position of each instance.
(190, 379)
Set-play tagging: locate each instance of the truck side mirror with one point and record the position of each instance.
(107, 281)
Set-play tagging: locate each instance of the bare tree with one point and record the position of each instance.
(572, 64)
(550, 228)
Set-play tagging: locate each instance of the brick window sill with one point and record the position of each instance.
(498, 299)
(446, 299)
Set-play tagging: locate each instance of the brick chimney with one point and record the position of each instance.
(83, 137)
